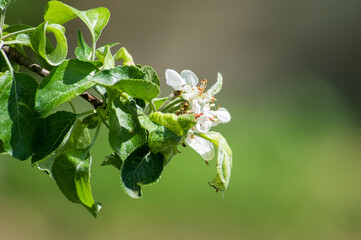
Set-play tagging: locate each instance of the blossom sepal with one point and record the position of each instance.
(224, 160)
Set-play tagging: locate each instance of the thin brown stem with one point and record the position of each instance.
(19, 58)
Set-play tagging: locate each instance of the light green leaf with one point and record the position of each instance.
(38, 42)
(71, 171)
(124, 55)
(95, 19)
(64, 83)
(217, 86)
(177, 124)
(159, 137)
(110, 77)
(83, 52)
(50, 132)
(4, 3)
(106, 57)
(159, 101)
(125, 133)
(138, 88)
(224, 161)
(128, 79)
(17, 118)
(150, 74)
(142, 167)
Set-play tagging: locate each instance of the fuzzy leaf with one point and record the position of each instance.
(224, 160)
(125, 133)
(177, 124)
(64, 83)
(38, 42)
(159, 137)
(83, 51)
(50, 132)
(142, 167)
(17, 118)
(71, 171)
(150, 74)
(95, 19)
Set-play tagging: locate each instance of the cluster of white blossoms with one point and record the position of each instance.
(200, 104)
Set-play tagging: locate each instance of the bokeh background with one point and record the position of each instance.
(292, 84)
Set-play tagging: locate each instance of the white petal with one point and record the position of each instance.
(201, 146)
(174, 79)
(189, 77)
(204, 124)
(223, 116)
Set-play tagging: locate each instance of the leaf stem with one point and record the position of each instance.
(6, 58)
(2, 21)
(86, 113)
(72, 106)
(18, 32)
(96, 134)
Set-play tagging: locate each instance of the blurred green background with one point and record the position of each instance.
(292, 85)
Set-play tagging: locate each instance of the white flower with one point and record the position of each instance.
(200, 104)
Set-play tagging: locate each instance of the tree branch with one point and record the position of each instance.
(19, 58)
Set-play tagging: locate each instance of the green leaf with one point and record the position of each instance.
(138, 88)
(17, 118)
(159, 137)
(106, 57)
(16, 28)
(113, 160)
(83, 52)
(159, 101)
(150, 74)
(95, 19)
(110, 77)
(142, 167)
(50, 132)
(124, 55)
(77, 137)
(71, 171)
(91, 121)
(64, 83)
(2, 147)
(4, 3)
(224, 161)
(125, 133)
(38, 42)
(128, 79)
(217, 86)
(177, 124)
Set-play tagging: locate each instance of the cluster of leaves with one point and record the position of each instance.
(59, 142)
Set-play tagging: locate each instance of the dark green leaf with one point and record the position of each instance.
(224, 160)
(150, 74)
(16, 28)
(71, 171)
(78, 137)
(64, 83)
(50, 132)
(142, 167)
(125, 133)
(17, 118)
(177, 124)
(1, 147)
(91, 121)
(95, 19)
(38, 43)
(159, 137)
(113, 160)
